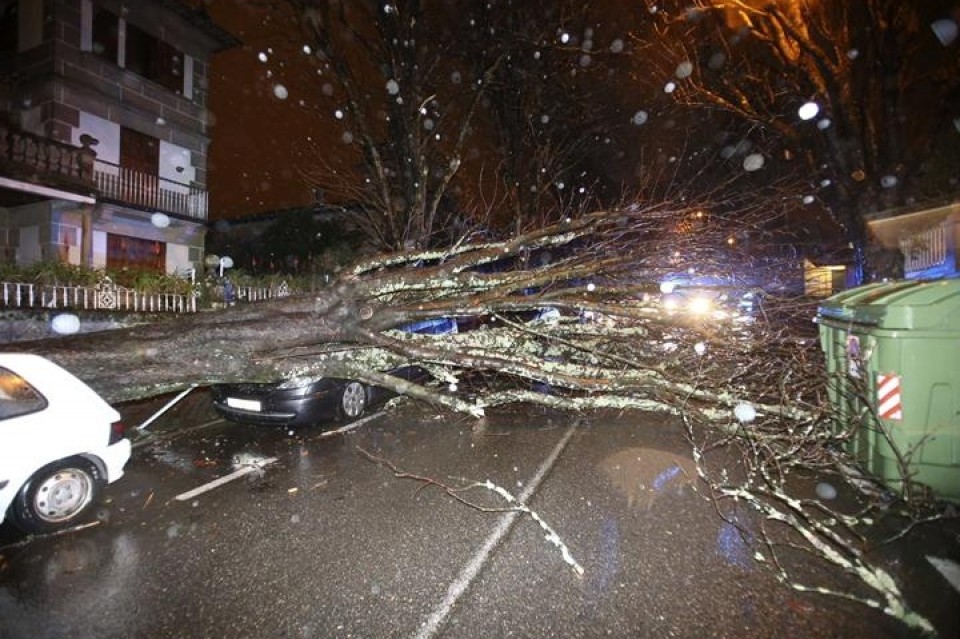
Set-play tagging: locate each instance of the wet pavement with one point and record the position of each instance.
(325, 542)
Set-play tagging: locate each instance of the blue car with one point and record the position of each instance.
(297, 403)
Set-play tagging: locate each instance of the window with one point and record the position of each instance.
(136, 253)
(105, 35)
(17, 396)
(143, 53)
(153, 59)
(64, 234)
(9, 26)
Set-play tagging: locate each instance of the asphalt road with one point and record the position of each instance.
(326, 542)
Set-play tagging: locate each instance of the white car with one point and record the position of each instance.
(60, 444)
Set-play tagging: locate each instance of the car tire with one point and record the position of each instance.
(352, 401)
(57, 496)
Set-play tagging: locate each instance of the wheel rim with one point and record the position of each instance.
(62, 495)
(354, 399)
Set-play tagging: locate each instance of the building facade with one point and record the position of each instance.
(925, 237)
(104, 132)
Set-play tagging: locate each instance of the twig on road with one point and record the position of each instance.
(456, 493)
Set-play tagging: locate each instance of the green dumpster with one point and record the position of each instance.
(893, 357)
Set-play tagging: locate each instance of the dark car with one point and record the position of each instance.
(303, 402)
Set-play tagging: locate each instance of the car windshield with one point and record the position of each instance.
(17, 396)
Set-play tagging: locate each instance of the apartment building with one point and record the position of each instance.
(104, 132)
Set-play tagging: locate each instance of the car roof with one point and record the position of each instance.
(56, 383)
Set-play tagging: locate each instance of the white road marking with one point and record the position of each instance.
(150, 438)
(246, 470)
(469, 573)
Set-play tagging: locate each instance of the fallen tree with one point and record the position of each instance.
(607, 265)
(751, 380)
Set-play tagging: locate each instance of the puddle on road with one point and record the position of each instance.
(643, 475)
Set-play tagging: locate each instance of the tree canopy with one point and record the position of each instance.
(858, 98)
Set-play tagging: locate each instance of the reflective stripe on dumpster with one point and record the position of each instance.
(888, 396)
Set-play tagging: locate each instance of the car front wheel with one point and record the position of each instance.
(56, 496)
(353, 400)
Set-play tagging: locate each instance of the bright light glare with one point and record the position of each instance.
(670, 304)
(700, 305)
(667, 287)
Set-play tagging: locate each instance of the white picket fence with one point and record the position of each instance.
(260, 293)
(108, 296)
(103, 296)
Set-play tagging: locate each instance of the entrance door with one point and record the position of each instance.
(140, 166)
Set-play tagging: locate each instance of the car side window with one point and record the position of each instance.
(17, 396)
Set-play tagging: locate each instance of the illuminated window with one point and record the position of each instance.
(136, 253)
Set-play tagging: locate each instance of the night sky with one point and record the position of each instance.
(270, 113)
(260, 116)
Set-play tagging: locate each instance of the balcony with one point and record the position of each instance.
(149, 191)
(35, 164)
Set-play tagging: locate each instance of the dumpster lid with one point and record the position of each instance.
(902, 304)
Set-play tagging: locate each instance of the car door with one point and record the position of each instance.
(20, 402)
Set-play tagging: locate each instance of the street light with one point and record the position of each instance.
(225, 262)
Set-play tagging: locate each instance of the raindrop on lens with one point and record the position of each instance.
(753, 162)
(65, 324)
(745, 413)
(809, 111)
(826, 491)
(717, 60)
(945, 30)
(280, 91)
(160, 220)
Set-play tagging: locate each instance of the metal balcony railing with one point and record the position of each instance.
(926, 248)
(149, 191)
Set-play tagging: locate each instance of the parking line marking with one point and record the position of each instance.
(149, 438)
(469, 572)
(246, 470)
